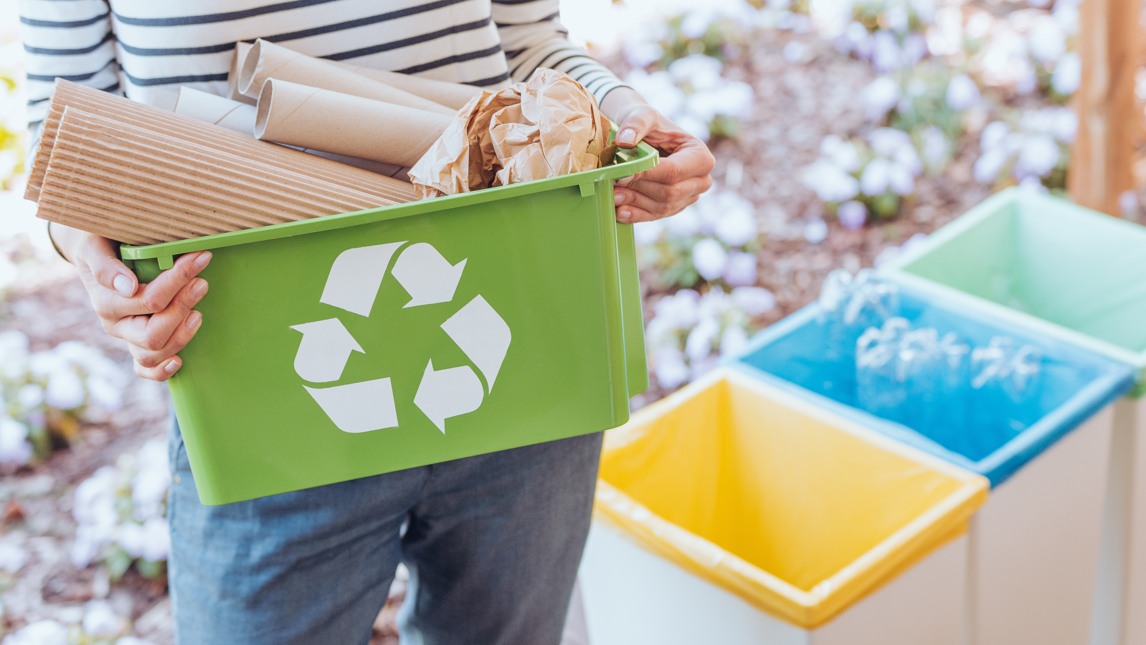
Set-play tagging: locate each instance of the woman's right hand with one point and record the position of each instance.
(157, 319)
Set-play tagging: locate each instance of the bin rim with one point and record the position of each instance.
(884, 561)
(1116, 380)
(896, 270)
(630, 162)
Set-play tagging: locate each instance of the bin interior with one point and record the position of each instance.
(981, 432)
(1049, 258)
(781, 489)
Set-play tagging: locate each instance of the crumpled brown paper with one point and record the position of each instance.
(546, 127)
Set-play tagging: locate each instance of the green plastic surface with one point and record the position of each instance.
(547, 256)
(1046, 263)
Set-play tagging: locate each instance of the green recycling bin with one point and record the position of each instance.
(1077, 275)
(363, 343)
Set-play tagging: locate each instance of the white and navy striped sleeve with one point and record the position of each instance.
(69, 39)
(532, 36)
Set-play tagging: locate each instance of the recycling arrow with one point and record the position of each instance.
(358, 407)
(448, 393)
(326, 347)
(482, 335)
(355, 277)
(428, 277)
(352, 285)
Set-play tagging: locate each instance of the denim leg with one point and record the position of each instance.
(494, 544)
(308, 567)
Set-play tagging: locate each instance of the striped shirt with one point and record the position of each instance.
(146, 49)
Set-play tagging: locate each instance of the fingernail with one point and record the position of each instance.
(193, 320)
(171, 366)
(123, 285)
(624, 215)
(618, 199)
(202, 261)
(199, 289)
(628, 135)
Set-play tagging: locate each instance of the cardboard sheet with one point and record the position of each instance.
(267, 60)
(343, 124)
(67, 94)
(142, 186)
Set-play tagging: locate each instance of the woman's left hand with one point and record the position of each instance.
(684, 171)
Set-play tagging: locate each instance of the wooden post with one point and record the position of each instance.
(1101, 165)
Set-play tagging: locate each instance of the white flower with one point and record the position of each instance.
(993, 135)
(659, 89)
(901, 179)
(889, 142)
(14, 447)
(852, 215)
(670, 368)
(880, 97)
(876, 177)
(65, 389)
(989, 165)
(710, 258)
(132, 640)
(843, 153)
(701, 339)
(640, 53)
(679, 309)
(696, 22)
(936, 148)
(155, 540)
(101, 622)
(741, 270)
(815, 231)
(44, 632)
(1047, 40)
(830, 183)
(962, 93)
(1067, 74)
(698, 71)
(737, 227)
(12, 557)
(1038, 156)
(886, 55)
(733, 341)
(30, 396)
(754, 301)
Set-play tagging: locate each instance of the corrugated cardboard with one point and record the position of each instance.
(141, 186)
(131, 112)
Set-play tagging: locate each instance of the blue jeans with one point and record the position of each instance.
(492, 544)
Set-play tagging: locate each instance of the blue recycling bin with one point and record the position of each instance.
(1035, 542)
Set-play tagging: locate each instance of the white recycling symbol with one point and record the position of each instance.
(429, 278)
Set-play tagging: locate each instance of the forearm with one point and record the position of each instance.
(67, 240)
(621, 102)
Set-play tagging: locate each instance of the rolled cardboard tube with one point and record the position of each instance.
(211, 108)
(451, 95)
(239, 59)
(267, 60)
(346, 125)
(240, 117)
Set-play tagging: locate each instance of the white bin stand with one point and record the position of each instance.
(1120, 600)
(634, 597)
(1034, 545)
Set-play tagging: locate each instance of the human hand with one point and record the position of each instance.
(684, 171)
(157, 319)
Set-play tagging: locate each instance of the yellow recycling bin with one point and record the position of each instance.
(734, 513)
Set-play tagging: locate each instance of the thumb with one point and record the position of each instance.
(634, 127)
(100, 257)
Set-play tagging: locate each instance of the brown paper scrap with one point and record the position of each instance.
(545, 127)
